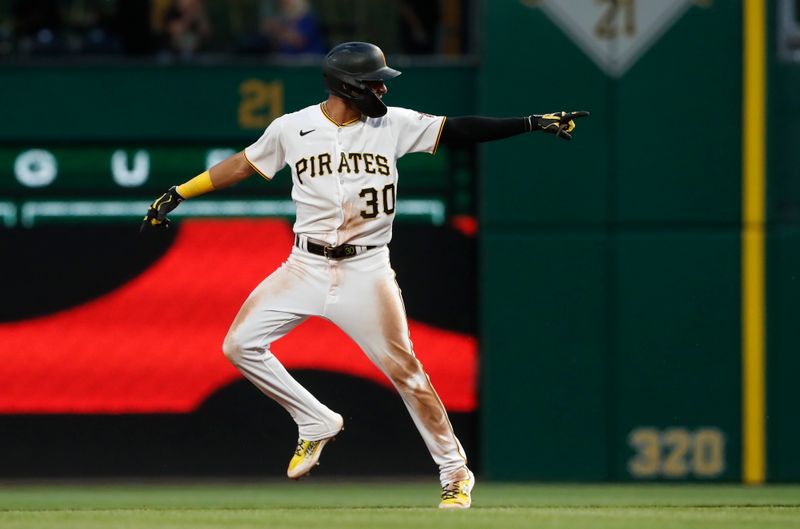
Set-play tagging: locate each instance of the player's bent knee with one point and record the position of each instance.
(232, 348)
(238, 345)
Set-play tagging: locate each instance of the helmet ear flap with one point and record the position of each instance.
(341, 88)
(352, 91)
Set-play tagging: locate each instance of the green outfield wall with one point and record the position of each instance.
(185, 103)
(611, 266)
(783, 262)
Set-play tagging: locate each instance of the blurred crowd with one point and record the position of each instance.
(185, 29)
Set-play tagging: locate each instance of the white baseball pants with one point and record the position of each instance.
(359, 294)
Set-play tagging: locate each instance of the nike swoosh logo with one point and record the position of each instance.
(304, 132)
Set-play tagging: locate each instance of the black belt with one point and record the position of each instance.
(343, 251)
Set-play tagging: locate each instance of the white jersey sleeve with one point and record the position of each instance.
(268, 154)
(414, 131)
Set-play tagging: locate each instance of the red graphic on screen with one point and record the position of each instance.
(155, 344)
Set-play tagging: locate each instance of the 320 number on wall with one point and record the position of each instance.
(676, 452)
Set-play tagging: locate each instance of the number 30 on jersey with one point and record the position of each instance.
(376, 202)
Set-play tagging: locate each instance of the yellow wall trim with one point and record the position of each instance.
(753, 217)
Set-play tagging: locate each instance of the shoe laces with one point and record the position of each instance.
(452, 490)
(307, 451)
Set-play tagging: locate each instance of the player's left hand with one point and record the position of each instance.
(559, 123)
(156, 217)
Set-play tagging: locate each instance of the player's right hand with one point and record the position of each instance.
(559, 123)
(156, 217)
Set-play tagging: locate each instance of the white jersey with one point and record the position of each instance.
(344, 177)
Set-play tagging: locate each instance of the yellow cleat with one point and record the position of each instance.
(458, 494)
(306, 456)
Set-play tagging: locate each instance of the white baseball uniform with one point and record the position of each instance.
(345, 186)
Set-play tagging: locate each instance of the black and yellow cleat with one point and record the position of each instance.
(458, 494)
(306, 455)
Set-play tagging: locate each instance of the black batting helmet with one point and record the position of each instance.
(346, 68)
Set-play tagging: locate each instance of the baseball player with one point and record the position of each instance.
(343, 154)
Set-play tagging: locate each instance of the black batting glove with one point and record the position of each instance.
(559, 123)
(156, 217)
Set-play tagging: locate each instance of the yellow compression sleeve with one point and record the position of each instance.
(199, 185)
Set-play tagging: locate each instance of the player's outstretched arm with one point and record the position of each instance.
(472, 129)
(230, 171)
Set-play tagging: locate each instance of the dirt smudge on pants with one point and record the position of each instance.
(403, 367)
